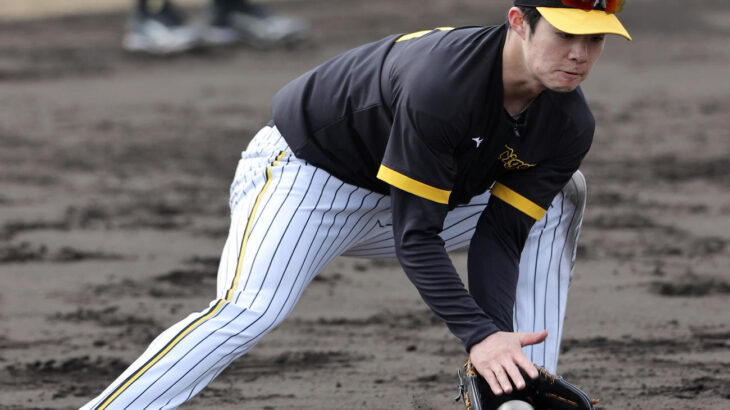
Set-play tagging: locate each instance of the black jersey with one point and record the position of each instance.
(423, 114)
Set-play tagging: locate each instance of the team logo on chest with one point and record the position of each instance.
(478, 141)
(510, 161)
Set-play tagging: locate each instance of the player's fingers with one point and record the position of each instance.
(532, 338)
(502, 378)
(526, 365)
(514, 373)
(492, 381)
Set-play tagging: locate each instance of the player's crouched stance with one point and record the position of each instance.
(409, 147)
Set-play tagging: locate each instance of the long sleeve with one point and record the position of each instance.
(416, 226)
(494, 260)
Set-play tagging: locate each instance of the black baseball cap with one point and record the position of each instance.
(581, 16)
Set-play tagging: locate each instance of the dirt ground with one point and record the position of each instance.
(114, 176)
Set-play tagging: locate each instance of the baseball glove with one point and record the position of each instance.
(548, 391)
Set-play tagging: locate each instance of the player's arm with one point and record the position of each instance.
(518, 200)
(493, 266)
(417, 223)
(419, 164)
(494, 258)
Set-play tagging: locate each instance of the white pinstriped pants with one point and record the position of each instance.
(289, 220)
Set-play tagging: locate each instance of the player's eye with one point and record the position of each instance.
(564, 35)
(598, 38)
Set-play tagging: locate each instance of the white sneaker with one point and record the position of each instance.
(164, 32)
(252, 25)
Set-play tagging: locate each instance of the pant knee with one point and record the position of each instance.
(575, 191)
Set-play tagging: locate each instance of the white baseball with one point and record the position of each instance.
(516, 405)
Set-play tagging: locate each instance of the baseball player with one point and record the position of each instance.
(409, 147)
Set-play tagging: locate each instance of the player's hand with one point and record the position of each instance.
(497, 356)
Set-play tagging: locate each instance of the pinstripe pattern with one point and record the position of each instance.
(340, 214)
(108, 399)
(568, 253)
(548, 259)
(458, 230)
(288, 221)
(213, 351)
(229, 357)
(268, 227)
(105, 402)
(206, 336)
(535, 270)
(249, 226)
(547, 275)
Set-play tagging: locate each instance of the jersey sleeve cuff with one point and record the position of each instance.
(413, 186)
(518, 201)
(478, 335)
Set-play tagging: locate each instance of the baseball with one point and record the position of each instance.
(516, 405)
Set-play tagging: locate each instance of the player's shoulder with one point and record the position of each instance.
(487, 38)
(452, 48)
(446, 70)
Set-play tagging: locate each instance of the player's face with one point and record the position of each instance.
(558, 60)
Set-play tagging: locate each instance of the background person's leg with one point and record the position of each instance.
(159, 27)
(230, 21)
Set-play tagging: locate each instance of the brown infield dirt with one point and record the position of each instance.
(114, 176)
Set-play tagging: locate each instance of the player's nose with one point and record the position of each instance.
(579, 51)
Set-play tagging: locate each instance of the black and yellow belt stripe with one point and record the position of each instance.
(211, 312)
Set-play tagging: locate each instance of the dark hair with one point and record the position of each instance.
(531, 15)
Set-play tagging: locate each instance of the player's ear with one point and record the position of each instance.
(517, 22)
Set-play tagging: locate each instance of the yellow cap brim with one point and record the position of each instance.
(576, 21)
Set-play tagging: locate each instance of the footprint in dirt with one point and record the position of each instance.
(691, 285)
(79, 376)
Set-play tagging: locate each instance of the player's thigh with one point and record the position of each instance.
(378, 242)
(282, 235)
(460, 222)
